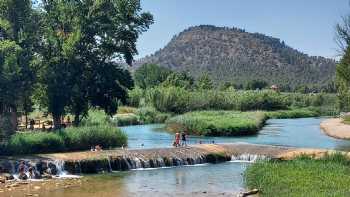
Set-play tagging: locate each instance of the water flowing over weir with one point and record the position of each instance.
(121, 160)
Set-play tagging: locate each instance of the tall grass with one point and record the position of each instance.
(95, 130)
(292, 113)
(179, 100)
(143, 115)
(304, 176)
(217, 123)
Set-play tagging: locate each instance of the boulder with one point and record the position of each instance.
(249, 193)
(7, 176)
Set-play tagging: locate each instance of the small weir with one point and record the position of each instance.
(123, 160)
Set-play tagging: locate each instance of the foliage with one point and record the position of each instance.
(232, 54)
(143, 115)
(179, 79)
(179, 100)
(343, 81)
(70, 139)
(217, 123)
(19, 27)
(301, 177)
(292, 113)
(204, 82)
(150, 75)
(85, 43)
(135, 97)
(256, 84)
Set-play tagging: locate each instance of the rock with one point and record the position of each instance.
(7, 176)
(46, 176)
(2, 179)
(249, 193)
(23, 177)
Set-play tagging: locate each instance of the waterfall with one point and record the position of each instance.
(247, 158)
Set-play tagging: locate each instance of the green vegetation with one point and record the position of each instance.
(150, 75)
(304, 176)
(95, 130)
(180, 100)
(143, 115)
(343, 68)
(65, 58)
(217, 123)
(292, 113)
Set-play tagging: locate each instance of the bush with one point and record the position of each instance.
(126, 119)
(135, 97)
(82, 138)
(96, 129)
(217, 123)
(148, 115)
(180, 100)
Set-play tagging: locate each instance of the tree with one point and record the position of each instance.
(204, 82)
(150, 75)
(343, 68)
(256, 84)
(343, 81)
(19, 25)
(182, 80)
(86, 39)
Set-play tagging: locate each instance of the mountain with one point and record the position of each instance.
(234, 55)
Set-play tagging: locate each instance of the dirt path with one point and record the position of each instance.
(335, 128)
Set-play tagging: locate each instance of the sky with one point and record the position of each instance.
(306, 25)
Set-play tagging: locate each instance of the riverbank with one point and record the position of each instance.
(327, 176)
(336, 128)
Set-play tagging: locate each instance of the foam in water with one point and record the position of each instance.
(250, 158)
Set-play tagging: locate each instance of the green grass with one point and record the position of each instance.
(217, 123)
(346, 119)
(292, 113)
(97, 129)
(143, 115)
(329, 176)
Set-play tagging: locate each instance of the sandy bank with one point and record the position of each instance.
(335, 128)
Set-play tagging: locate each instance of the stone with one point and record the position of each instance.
(249, 193)
(2, 179)
(7, 176)
(47, 176)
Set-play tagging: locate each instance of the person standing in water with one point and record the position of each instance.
(183, 139)
(177, 139)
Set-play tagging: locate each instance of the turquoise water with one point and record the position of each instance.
(303, 132)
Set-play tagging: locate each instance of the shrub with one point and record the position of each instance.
(148, 115)
(26, 143)
(82, 138)
(126, 119)
(217, 123)
(96, 117)
(135, 97)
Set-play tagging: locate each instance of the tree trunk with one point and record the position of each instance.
(57, 121)
(76, 119)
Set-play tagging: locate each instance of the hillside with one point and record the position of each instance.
(233, 55)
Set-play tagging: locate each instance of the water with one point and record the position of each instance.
(223, 179)
(303, 132)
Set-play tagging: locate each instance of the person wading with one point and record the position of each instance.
(183, 139)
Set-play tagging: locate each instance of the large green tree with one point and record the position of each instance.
(150, 75)
(19, 38)
(343, 67)
(85, 40)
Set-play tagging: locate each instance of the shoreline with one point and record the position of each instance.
(335, 128)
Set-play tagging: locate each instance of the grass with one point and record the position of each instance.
(217, 123)
(143, 115)
(329, 176)
(346, 119)
(292, 113)
(94, 130)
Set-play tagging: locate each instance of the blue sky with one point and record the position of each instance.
(307, 25)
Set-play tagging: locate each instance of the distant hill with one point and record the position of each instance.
(233, 55)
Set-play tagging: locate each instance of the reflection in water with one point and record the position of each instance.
(303, 132)
(204, 180)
